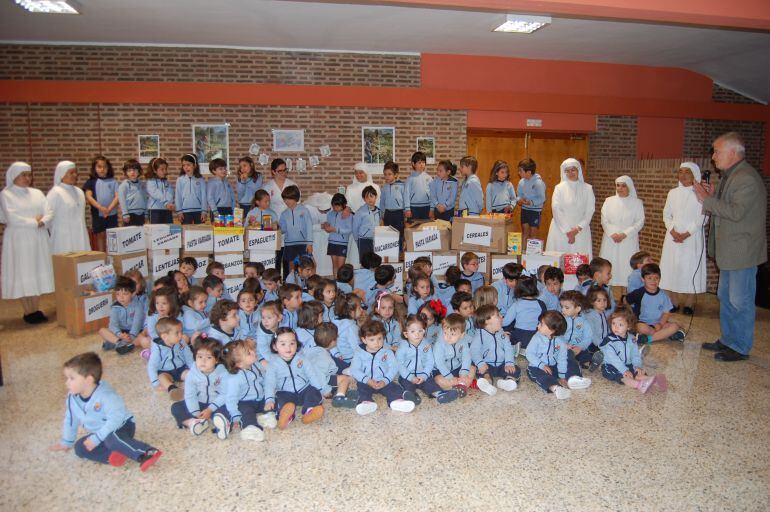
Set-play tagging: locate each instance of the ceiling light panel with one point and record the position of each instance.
(47, 6)
(523, 24)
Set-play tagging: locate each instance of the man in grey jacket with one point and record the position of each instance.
(738, 241)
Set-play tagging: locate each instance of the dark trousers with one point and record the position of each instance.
(249, 410)
(498, 372)
(245, 208)
(395, 219)
(447, 215)
(307, 398)
(161, 217)
(365, 245)
(181, 414)
(391, 392)
(287, 255)
(610, 373)
(519, 335)
(420, 212)
(192, 218)
(585, 356)
(135, 219)
(122, 440)
(428, 387)
(341, 365)
(545, 381)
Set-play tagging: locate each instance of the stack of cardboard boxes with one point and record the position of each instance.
(78, 308)
(198, 243)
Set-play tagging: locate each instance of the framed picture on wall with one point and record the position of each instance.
(378, 145)
(428, 146)
(149, 147)
(211, 141)
(288, 141)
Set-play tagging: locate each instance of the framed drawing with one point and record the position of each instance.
(428, 146)
(149, 147)
(210, 141)
(288, 141)
(378, 145)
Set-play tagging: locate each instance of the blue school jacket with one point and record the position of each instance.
(264, 338)
(132, 197)
(159, 193)
(415, 361)
(102, 414)
(288, 376)
(193, 321)
(599, 325)
(319, 367)
(222, 337)
(381, 365)
(306, 337)
(190, 194)
(635, 281)
(347, 339)
(248, 322)
(471, 196)
(247, 188)
(505, 296)
(524, 314)
(392, 197)
(448, 357)
(417, 190)
(247, 385)
(550, 300)
(365, 220)
(500, 194)
(443, 192)
(585, 287)
(620, 353)
(165, 358)
(202, 388)
(476, 279)
(543, 351)
(493, 349)
(444, 293)
(289, 319)
(579, 333)
(363, 278)
(126, 318)
(219, 193)
(533, 190)
(344, 227)
(297, 226)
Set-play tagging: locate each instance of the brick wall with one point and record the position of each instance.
(615, 137)
(140, 64)
(721, 94)
(652, 179)
(700, 133)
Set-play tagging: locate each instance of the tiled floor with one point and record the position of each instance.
(704, 445)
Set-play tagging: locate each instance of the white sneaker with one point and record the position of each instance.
(516, 350)
(577, 382)
(402, 405)
(222, 426)
(485, 386)
(252, 433)
(346, 371)
(267, 420)
(199, 427)
(507, 384)
(365, 408)
(561, 393)
(522, 351)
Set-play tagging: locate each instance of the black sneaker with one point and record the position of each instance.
(675, 309)
(124, 347)
(688, 311)
(596, 361)
(412, 397)
(444, 397)
(717, 346)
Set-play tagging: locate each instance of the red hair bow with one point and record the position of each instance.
(438, 307)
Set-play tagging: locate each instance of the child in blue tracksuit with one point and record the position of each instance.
(501, 197)
(522, 317)
(443, 191)
(160, 193)
(290, 296)
(260, 214)
(638, 260)
(652, 307)
(304, 267)
(244, 391)
(101, 192)
(190, 195)
(492, 352)
(601, 272)
(422, 292)
(471, 195)
(339, 225)
(553, 279)
(248, 315)
(249, 181)
(374, 367)
(578, 335)
(452, 356)
(287, 383)
(384, 311)
(310, 314)
(297, 228)
(470, 264)
(194, 316)
(323, 371)
(549, 366)
(506, 287)
(415, 363)
(446, 288)
(364, 277)
(392, 200)
(531, 198)
(126, 318)
(366, 219)
(132, 195)
(348, 310)
(417, 189)
(94, 404)
(219, 194)
(225, 322)
(271, 315)
(622, 359)
(204, 392)
(170, 358)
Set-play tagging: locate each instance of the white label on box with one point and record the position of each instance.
(533, 261)
(498, 262)
(125, 240)
(265, 258)
(477, 234)
(200, 270)
(198, 240)
(398, 283)
(163, 263)
(97, 307)
(386, 242)
(426, 240)
(84, 271)
(482, 261)
(228, 243)
(409, 258)
(441, 262)
(233, 263)
(138, 263)
(163, 236)
(260, 240)
(233, 286)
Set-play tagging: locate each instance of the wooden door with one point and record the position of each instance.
(548, 150)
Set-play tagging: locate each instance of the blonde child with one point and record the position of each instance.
(485, 295)
(492, 352)
(452, 356)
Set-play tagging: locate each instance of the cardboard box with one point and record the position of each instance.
(229, 240)
(483, 234)
(268, 259)
(498, 261)
(125, 240)
(532, 262)
(409, 258)
(201, 263)
(428, 236)
(483, 261)
(134, 261)
(233, 262)
(162, 262)
(198, 239)
(442, 261)
(162, 236)
(263, 241)
(72, 271)
(233, 285)
(86, 314)
(398, 283)
(386, 243)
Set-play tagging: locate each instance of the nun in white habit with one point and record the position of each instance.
(622, 219)
(683, 247)
(67, 203)
(26, 266)
(361, 180)
(572, 204)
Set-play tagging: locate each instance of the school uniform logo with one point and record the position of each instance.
(218, 381)
(97, 407)
(299, 363)
(427, 347)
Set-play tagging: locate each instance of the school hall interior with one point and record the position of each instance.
(628, 87)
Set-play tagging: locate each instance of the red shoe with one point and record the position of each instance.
(117, 459)
(474, 385)
(149, 458)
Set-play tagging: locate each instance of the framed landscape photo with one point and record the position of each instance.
(149, 147)
(210, 141)
(428, 146)
(288, 141)
(378, 145)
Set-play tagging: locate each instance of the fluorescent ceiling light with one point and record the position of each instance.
(521, 24)
(48, 6)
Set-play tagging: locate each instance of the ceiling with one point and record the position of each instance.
(739, 60)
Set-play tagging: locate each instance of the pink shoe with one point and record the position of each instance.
(645, 384)
(145, 354)
(661, 382)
